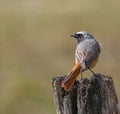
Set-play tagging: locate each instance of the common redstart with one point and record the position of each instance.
(86, 57)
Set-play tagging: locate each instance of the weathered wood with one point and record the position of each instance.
(66, 102)
(97, 96)
(94, 96)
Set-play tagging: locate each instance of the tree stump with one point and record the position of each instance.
(94, 96)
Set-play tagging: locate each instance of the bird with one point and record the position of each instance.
(86, 56)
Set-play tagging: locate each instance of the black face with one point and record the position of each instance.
(77, 35)
(80, 36)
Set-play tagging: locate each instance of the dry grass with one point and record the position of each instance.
(35, 46)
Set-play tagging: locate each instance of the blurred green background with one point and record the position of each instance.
(35, 46)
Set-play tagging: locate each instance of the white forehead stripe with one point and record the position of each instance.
(81, 32)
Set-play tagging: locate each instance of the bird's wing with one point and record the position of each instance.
(87, 52)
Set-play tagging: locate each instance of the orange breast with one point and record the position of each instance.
(93, 63)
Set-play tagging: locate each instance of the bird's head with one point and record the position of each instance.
(82, 35)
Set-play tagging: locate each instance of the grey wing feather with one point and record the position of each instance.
(86, 52)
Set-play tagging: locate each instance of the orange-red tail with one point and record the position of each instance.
(71, 77)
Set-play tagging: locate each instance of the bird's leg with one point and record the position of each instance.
(91, 70)
(81, 73)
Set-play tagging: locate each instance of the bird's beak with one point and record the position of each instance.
(73, 35)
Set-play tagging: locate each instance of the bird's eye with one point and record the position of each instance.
(79, 35)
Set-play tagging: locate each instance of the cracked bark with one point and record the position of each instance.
(94, 96)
